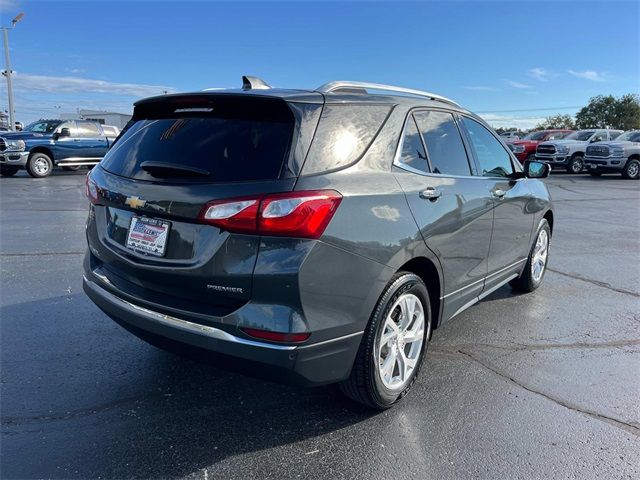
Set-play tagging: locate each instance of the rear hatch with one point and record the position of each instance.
(176, 155)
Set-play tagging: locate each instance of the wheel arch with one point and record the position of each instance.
(548, 215)
(430, 274)
(44, 150)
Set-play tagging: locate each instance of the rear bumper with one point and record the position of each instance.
(315, 364)
(14, 159)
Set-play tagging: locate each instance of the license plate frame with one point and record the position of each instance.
(151, 240)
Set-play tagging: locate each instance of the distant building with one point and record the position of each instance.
(100, 116)
(4, 121)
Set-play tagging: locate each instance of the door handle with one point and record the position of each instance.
(498, 193)
(430, 193)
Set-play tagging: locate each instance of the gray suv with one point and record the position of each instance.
(314, 236)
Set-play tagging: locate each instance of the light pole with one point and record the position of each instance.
(8, 72)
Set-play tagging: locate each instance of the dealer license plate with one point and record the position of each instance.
(148, 235)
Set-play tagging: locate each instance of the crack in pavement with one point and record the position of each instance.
(594, 199)
(595, 282)
(521, 347)
(632, 428)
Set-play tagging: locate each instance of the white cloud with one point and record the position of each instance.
(9, 6)
(49, 84)
(523, 123)
(513, 84)
(541, 74)
(589, 75)
(481, 88)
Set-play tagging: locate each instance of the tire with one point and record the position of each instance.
(576, 164)
(39, 165)
(8, 171)
(631, 170)
(530, 158)
(72, 168)
(367, 384)
(595, 174)
(530, 279)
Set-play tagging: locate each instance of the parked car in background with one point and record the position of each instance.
(568, 153)
(621, 156)
(315, 236)
(507, 136)
(525, 149)
(48, 143)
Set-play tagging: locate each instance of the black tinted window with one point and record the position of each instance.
(444, 145)
(87, 129)
(229, 149)
(493, 158)
(412, 153)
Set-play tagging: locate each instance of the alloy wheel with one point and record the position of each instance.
(540, 253)
(399, 345)
(41, 166)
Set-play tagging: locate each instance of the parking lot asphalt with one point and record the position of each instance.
(545, 385)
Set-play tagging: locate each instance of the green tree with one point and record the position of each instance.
(556, 121)
(610, 112)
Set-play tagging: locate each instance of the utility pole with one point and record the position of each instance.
(8, 72)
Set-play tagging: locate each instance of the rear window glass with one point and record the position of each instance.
(344, 133)
(202, 148)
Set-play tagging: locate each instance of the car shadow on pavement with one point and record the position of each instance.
(82, 398)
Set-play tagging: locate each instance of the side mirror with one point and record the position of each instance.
(64, 132)
(533, 169)
(594, 140)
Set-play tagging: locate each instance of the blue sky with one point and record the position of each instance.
(507, 60)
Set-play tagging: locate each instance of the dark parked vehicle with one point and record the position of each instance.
(48, 143)
(310, 236)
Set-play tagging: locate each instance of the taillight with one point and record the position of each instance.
(91, 189)
(294, 214)
(239, 215)
(276, 336)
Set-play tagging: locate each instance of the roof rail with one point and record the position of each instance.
(347, 86)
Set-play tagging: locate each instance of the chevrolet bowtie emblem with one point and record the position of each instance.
(135, 202)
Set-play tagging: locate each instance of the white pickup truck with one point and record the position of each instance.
(621, 156)
(569, 152)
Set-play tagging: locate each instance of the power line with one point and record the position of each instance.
(531, 109)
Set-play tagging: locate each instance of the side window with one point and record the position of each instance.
(412, 153)
(71, 126)
(88, 130)
(494, 160)
(614, 134)
(444, 144)
(599, 137)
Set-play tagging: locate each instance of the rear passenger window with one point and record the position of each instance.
(494, 160)
(343, 135)
(413, 154)
(444, 144)
(89, 130)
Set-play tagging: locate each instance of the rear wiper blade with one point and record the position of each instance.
(165, 168)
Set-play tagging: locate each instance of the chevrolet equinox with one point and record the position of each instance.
(314, 236)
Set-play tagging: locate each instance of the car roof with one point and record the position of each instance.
(331, 92)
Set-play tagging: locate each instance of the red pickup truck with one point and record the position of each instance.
(525, 149)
